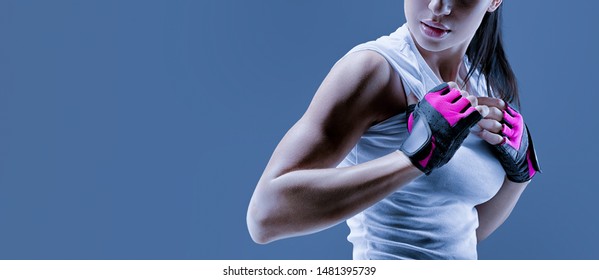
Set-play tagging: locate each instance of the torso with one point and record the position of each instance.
(434, 216)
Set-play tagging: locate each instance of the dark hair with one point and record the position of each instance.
(486, 53)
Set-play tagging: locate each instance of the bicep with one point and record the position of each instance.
(355, 94)
(308, 146)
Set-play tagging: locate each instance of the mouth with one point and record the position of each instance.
(434, 29)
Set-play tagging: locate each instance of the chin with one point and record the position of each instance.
(431, 45)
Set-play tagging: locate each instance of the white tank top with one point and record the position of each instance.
(433, 217)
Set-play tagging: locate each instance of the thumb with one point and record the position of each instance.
(453, 85)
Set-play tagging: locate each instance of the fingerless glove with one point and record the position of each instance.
(516, 153)
(438, 125)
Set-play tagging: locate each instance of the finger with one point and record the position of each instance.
(483, 110)
(492, 102)
(490, 125)
(512, 116)
(412, 99)
(466, 94)
(453, 85)
(463, 92)
(473, 100)
(495, 114)
(491, 138)
(506, 130)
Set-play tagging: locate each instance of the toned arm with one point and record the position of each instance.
(494, 212)
(301, 191)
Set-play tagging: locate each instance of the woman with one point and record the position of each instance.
(421, 181)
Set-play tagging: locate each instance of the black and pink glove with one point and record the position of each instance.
(438, 125)
(516, 152)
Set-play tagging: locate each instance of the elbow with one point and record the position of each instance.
(481, 235)
(268, 218)
(259, 236)
(258, 226)
(257, 230)
(479, 239)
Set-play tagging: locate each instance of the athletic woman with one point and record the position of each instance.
(415, 139)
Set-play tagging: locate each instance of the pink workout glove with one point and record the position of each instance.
(438, 125)
(516, 152)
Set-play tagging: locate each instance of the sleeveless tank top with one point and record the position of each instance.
(434, 216)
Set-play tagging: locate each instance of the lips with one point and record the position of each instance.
(434, 29)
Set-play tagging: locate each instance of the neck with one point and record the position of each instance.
(446, 64)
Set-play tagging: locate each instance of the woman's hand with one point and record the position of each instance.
(491, 125)
(504, 128)
(438, 125)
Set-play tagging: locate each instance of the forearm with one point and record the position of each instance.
(306, 201)
(494, 212)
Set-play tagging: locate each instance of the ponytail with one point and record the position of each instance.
(486, 54)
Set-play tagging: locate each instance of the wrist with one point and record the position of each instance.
(516, 185)
(408, 164)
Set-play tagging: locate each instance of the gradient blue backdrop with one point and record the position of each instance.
(137, 129)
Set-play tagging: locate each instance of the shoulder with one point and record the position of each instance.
(381, 81)
(370, 69)
(363, 64)
(361, 86)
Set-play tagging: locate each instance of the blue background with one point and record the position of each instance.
(138, 129)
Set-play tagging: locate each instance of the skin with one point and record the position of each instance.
(461, 17)
(494, 212)
(301, 191)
